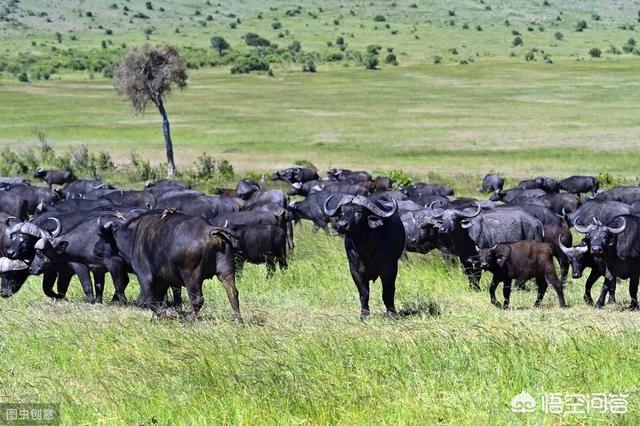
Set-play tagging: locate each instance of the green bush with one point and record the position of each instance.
(379, 18)
(558, 35)
(391, 59)
(399, 179)
(581, 26)
(309, 67)
(595, 52)
(517, 41)
(250, 63)
(437, 59)
(371, 61)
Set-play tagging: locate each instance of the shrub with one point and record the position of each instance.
(379, 18)
(437, 59)
(374, 49)
(452, 13)
(465, 26)
(105, 162)
(23, 77)
(205, 166)
(530, 56)
(305, 163)
(371, 61)
(595, 52)
(399, 179)
(149, 5)
(276, 25)
(309, 67)
(478, 28)
(248, 64)
(558, 35)
(517, 41)
(391, 59)
(581, 25)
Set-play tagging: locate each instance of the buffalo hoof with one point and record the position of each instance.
(633, 306)
(99, 300)
(612, 301)
(91, 300)
(364, 315)
(393, 315)
(599, 305)
(496, 303)
(505, 305)
(588, 300)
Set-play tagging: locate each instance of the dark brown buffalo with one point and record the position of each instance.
(520, 261)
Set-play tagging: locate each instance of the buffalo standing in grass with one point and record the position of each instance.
(165, 249)
(374, 240)
(54, 177)
(520, 261)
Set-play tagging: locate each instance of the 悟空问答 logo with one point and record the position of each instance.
(523, 403)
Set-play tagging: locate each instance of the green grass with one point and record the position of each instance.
(303, 355)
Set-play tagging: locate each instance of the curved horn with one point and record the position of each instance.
(618, 229)
(436, 213)
(580, 228)
(56, 231)
(99, 186)
(325, 207)
(102, 225)
(375, 208)
(470, 215)
(564, 212)
(297, 170)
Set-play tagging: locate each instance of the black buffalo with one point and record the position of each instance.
(618, 245)
(374, 240)
(296, 174)
(580, 184)
(492, 183)
(54, 177)
(165, 249)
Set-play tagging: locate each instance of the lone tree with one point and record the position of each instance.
(220, 44)
(147, 75)
(253, 39)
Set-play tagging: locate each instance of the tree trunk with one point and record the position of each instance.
(171, 166)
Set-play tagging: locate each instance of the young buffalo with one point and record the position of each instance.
(522, 261)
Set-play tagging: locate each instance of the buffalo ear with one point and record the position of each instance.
(374, 221)
(61, 246)
(501, 260)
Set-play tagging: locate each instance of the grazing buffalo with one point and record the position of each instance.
(511, 195)
(624, 194)
(81, 187)
(344, 188)
(580, 184)
(520, 261)
(246, 187)
(165, 185)
(349, 176)
(420, 189)
(580, 258)
(200, 205)
(262, 237)
(528, 184)
(562, 203)
(421, 234)
(4, 180)
(305, 188)
(374, 240)
(54, 177)
(469, 228)
(34, 195)
(296, 174)
(618, 245)
(379, 184)
(548, 184)
(165, 249)
(492, 183)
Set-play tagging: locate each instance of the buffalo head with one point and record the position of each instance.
(356, 213)
(448, 220)
(600, 236)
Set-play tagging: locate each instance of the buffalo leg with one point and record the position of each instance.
(612, 291)
(176, 290)
(48, 280)
(194, 290)
(64, 279)
(552, 279)
(98, 283)
(271, 266)
(363, 290)
(120, 280)
(606, 289)
(85, 279)
(506, 293)
(593, 277)
(388, 279)
(564, 269)
(633, 291)
(228, 280)
(492, 291)
(473, 275)
(542, 289)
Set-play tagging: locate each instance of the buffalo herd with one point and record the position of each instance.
(172, 236)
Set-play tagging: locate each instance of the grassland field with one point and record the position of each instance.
(303, 357)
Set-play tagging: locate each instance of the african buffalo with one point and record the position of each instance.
(54, 177)
(580, 184)
(374, 240)
(296, 174)
(492, 183)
